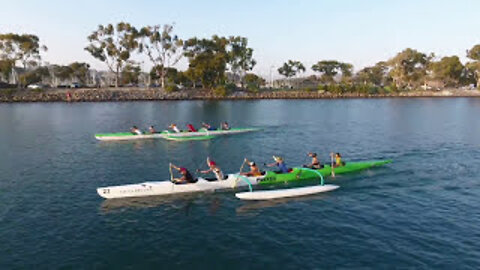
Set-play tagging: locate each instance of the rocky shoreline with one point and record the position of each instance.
(135, 94)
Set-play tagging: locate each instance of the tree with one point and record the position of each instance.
(62, 73)
(33, 76)
(474, 66)
(207, 60)
(24, 48)
(376, 75)
(291, 68)
(80, 72)
(240, 57)
(253, 82)
(330, 68)
(130, 74)
(113, 45)
(408, 68)
(449, 70)
(162, 48)
(6, 67)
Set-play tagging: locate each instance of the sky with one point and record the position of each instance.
(361, 32)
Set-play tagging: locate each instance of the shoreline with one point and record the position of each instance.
(135, 94)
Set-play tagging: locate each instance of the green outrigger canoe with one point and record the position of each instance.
(182, 136)
(302, 174)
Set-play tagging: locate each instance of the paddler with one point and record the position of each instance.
(151, 130)
(186, 176)
(191, 128)
(135, 130)
(208, 126)
(215, 169)
(225, 126)
(175, 128)
(315, 164)
(280, 163)
(254, 170)
(338, 161)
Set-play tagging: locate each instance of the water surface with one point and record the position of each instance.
(420, 211)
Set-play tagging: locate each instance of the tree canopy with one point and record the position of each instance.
(330, 68)
(24, 48)
(113, 45)
(208, 60)
(409, 67)
(162, 47)
(291, 68)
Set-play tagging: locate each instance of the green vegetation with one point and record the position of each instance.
(113, 45)
(221, 65)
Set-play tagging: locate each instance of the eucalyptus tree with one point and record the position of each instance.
(208, 60)
(449, 70)
(114, 45)
(474, 65)
(6, 67)
(330, 68)
(130, 74)
(376, 75)
(163, 48)
(409, 67)
(291, 68)
(24, 48)
(240, 57)
(80, 71)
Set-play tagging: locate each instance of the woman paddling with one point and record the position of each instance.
(215, 169)
(175, 128)
(338, 160)
(208, 126)
(315, 164)
(186, 176)
(136, 131)
(280, 163)
(152, 130)
(254, 170)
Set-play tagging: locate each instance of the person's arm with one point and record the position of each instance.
(206, 171)
(175, 167)
(271, 164)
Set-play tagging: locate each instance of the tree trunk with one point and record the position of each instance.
(162, 78)
(117, 74)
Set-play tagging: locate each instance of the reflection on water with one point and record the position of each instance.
(181, 202)
(253, 207)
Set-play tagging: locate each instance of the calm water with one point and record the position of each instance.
(421, 211)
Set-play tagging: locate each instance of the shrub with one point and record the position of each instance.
(220, 91)
(171, 88)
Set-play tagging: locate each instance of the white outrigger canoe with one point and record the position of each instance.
(166, 187)
(206, 134)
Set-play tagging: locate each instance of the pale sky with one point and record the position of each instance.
(359, 32)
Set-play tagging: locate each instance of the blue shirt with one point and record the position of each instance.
(283, 168)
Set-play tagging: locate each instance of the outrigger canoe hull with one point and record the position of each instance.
(233, 181)
(299, 174)
(122, 136)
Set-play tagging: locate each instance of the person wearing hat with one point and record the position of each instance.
(254, 170)
(280, 163)
(186, 176)
(315, 162)
(215, 169)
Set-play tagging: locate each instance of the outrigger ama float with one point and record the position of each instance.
(234, 181)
